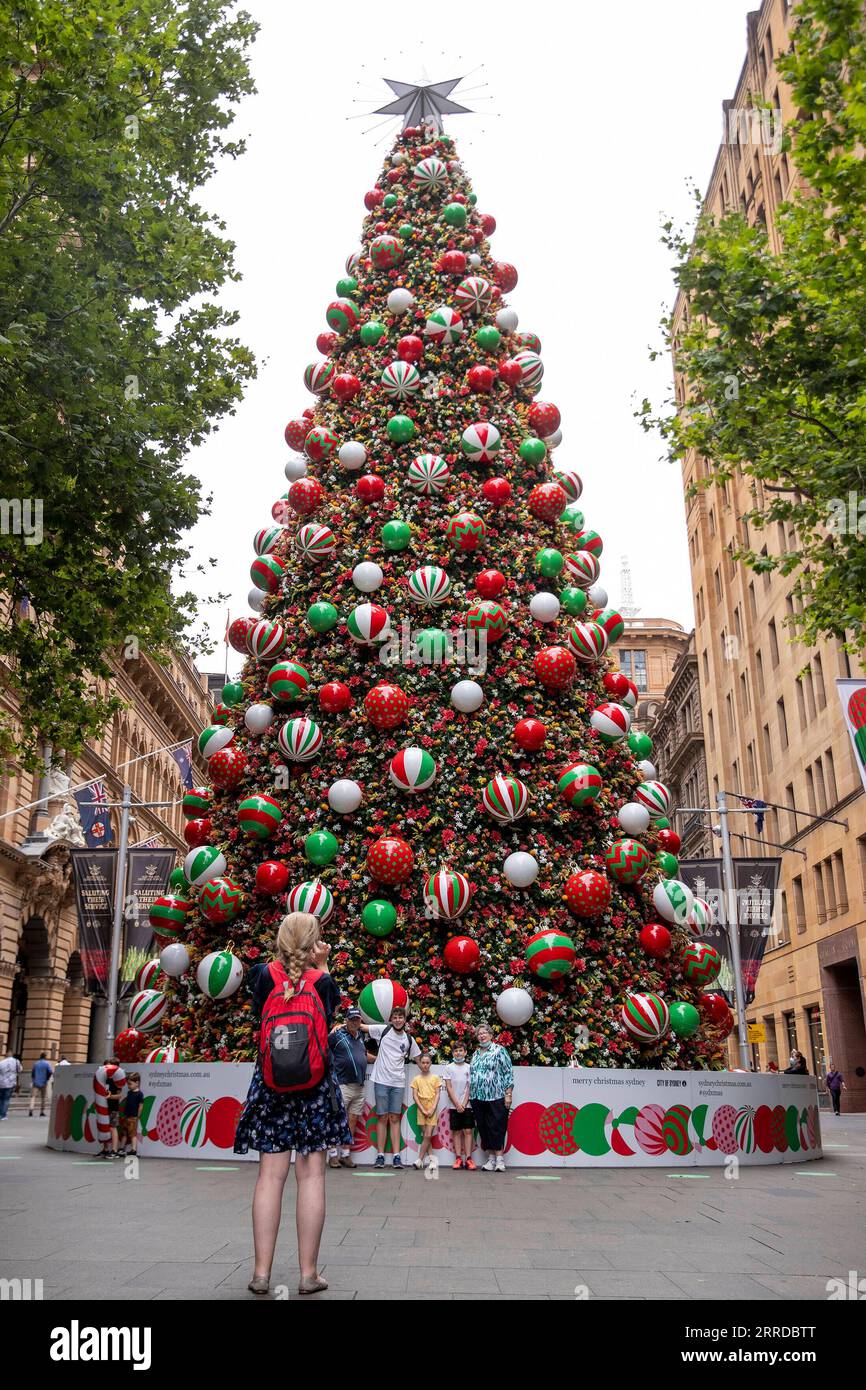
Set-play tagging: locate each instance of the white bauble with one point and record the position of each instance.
(256, 600)
(352, 455)
(633, 818)
(544, 607)
(344, 796)
(367, 576)
(515, 1007)
(295, 468)
(258, 718)
(521, 869)
(400, 300)
(474, 259)
(507, 320)
(647, 770)
(597, 596)
(467, 696)
(174, 960)
(552, 440)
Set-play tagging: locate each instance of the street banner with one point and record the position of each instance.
(852, 696)
(146, 879)
(94, 873)
(755, 883)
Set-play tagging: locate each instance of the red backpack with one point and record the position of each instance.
(293, 1043)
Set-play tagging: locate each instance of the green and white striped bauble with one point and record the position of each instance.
(267, 639)
(267, 539)
(428, 473)
(193, 1122)
(429, 585)
(219, 974)
(579, 784)
(531, 368)
(146, 975)
(147, 1009)
(645, 1016)
(300, 740)
(316, 542)
(203, 863)
(259, 816)
(379, 998)
(400, 380)
(288, 680)
(169, 1053)
(369, 623)
(655, 796)
(266, 572)
(673, 901)
(312, 897)
(342, 315)
(430, 173)
(412, 769)
(214, 738)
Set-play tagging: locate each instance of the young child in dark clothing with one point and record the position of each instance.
(130, 1110)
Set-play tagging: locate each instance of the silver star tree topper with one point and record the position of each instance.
(418, 103)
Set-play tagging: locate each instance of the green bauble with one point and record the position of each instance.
(472, 199)
(233, 693)
(669, 865)
(640, 744)
(322, 616)
(177, 878)
(663, 823)
(321, 847)
(533, 450)
(379, 917)
(433, 645)
(455, 214)
(389, 200)
(401, 429)
(488, 338)
(685, 1019)
(573, 517)
(406, 232)
(372, 332)
(549, 562)
(573, 600)
(346, 286)
(396, 535)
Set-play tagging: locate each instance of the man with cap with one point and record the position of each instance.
(349, 1056)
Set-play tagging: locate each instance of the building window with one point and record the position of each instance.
(810, 791)
(783, 722)
(633, 665)
(732, 723)
(753, 604)
(801, 706)
(799, 904)
(768, 748)
(789, 1023)
(824, 910)
(717, 578)
(830, 768)
(774, 643)
(841, 884)
(744, 692)
(706, 668)
(816, 1041)
(789, 797)
(771, 1043)
(759, 671)
(711, 728)
(820, 692)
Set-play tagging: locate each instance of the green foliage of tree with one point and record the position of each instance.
(773, 345)
(114, 362)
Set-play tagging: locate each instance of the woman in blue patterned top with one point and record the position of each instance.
(491, 1086)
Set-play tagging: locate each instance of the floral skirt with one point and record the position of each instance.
(306, 1121)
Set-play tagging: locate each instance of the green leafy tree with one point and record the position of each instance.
(114, 362)
(773, 346)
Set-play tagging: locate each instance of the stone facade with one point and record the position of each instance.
(43, 1004)
(772, 721)
(677, 732)
(647, 652)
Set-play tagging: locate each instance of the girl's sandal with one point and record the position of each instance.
(258, 1284)
(315, 1285)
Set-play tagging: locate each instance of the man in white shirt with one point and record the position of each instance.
(10, 1070)
(396, 1048)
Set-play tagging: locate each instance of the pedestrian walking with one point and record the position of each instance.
(293, 1102)
(456, 1079)
(10, 1071)
(40, 1074)
(491, 1089)
(835, 1085)
(349, 1056)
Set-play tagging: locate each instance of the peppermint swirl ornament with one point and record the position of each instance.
(412, 770)
(319, 377)
(505, 798)
(316, 542)
(473, 294)
(430, 174)
(429, 585)
(427, 474)
(481, 442)
(300, 740)
(401, 380)
(444, 325)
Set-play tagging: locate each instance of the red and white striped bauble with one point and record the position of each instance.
(444, 325)
(655, 796)
(429, 585)
(505, 798)
(571, 483)
(368, 623)
(400, 380)
(267, 639)
(645, 1016)
(412, 770)
(588, 641)
(318, 377)
(473, 294)
(313, 897)
(531, 368)
(428, 473)
(146, 1009)
(481, 442)
(610, 720)
(582, 568)
(300, 739)
(267, 539)
(701, 917)
(316, 542)
(447, 895)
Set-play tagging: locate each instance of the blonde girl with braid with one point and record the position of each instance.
(307, 1123)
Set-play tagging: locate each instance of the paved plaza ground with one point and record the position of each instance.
(181, 1230)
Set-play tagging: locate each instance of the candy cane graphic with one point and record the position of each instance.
(100, 1098)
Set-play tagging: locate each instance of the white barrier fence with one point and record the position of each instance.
(561, 1117)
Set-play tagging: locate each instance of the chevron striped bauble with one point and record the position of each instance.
(627, 860)
(645, 1016)
(700, 963)
(221, 900)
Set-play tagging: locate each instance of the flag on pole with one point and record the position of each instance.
(754, 803)
(183, 758)
(92, 802)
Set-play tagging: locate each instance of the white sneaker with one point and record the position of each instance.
(417, 1163)
(500, 1164)
(489, 1166)
(426, 1161)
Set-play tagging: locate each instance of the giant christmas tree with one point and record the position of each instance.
(429, 747)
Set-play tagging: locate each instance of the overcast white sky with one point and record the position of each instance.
(600, 115)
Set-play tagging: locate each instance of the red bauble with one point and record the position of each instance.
(296, 432)
(326, 342)
(272, 877)
(395, 175)
(555, 667)
(481, 377)
(453, 263)
(239, 630)
(345, 386)
(547, 501)
(655, 939)
(511, 372)
(488, 223)
(305, 496)
(714, 1007)
(588, 893)
(505, 275)
(198, 832)
(335, 697)
(222, 1121)
(461, 955)
(390, 860)
(530, 734)
(670, 841)
(410, 348)
(373, 198)
(386, 705)
(496, 491)
(544, 418)
(128, 1045)
(489, 583)
(370, 488)
(616, 684)
(227, 767)
(309, 413)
